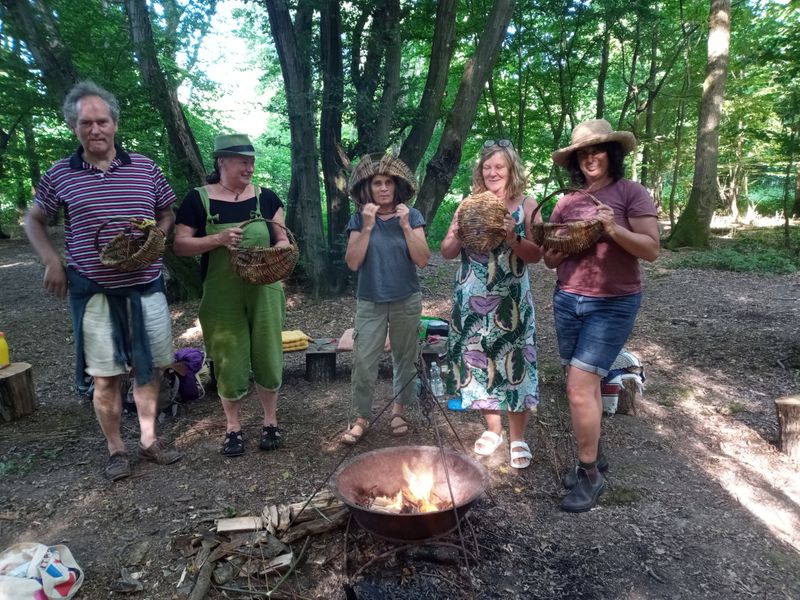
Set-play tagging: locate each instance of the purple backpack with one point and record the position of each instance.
(190, 388)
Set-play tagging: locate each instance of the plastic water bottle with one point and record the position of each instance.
(437, 385)
(4, 358)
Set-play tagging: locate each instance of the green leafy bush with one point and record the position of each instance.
(743, 257)
(436, 231)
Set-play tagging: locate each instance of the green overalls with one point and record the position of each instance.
(241, 322)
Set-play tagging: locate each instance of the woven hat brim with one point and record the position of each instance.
(624, 138)
(382, 164)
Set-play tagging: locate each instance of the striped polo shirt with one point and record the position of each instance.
(133, 187)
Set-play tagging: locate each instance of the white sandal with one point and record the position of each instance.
(487, 443)
(520, 455)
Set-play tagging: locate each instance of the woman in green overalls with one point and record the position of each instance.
(241, 322)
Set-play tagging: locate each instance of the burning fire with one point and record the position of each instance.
(416, 496)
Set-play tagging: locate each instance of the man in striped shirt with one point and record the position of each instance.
(120, 319)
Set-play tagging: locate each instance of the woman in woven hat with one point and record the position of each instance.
(385, 245)
(598, 291)
(241, 321)
(492, 343)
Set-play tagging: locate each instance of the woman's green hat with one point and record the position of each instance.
(233, 144)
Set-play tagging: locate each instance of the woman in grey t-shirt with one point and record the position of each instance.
(386, 243)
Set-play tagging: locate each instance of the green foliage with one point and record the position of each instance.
(436, 231)
(757, 251)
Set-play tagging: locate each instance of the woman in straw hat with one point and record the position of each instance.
(241, 322)
(598, 291)
(492, 343)
(386, 243)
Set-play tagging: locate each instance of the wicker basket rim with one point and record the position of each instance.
(147, 231)
(562, 192)
(289, 234)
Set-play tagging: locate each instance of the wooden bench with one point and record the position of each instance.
(321, 357)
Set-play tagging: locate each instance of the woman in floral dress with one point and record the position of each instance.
(492, 343)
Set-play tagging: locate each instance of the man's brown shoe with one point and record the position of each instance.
(159, 454)
(118, 466)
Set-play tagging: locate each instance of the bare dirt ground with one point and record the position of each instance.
(700, 505)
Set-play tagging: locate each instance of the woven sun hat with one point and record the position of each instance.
(379, 163)
(233, 144)
(591, 133)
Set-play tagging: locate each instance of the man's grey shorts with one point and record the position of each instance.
(98, 347)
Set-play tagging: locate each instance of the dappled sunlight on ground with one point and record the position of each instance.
(731, 454)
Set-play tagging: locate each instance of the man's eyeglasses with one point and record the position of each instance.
(501, 143)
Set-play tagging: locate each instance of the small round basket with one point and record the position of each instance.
(480, 222)
(569, 238)
(138, 244)
(259, 265)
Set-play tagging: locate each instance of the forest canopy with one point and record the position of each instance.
(428, 80)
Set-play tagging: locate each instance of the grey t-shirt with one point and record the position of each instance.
(387, 274)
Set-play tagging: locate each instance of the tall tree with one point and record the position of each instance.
(694, 225)
(292, 41)
(35, 23)
(441, 168)
(430, 105)
(163, 94)
(334, 161)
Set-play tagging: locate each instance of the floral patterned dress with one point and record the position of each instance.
(492, 342)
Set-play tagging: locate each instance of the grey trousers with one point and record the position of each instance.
(401, 318)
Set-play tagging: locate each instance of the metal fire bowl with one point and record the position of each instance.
(380, 473)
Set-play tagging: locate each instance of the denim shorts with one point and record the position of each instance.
(592, 331)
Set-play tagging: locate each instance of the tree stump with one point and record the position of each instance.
(321, 361)
(628, 392)
(788, 411)
(17, 394)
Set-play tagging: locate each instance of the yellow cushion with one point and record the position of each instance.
(294, 341)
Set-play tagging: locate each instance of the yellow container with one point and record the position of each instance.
(4, 359)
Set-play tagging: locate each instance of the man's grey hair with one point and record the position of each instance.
(80, 91)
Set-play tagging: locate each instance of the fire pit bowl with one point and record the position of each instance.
(380, 472)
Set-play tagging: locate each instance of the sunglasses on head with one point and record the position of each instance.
(500, 143)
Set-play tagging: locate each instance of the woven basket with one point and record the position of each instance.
(569, 238)
(260, 265)
(480, 222)
(139, 244)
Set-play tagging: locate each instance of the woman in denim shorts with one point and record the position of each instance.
(598, 291)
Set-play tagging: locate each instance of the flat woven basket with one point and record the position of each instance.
(569, 238)
(260, 265)
(137, 245)
(480, 222)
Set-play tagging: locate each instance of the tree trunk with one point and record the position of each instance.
(649, 114)
(334, 162)
(292, 44)
(796, 210)
(34, 168)
(34, 22)
(602, 75)
(163, 95)
(391, 73)
(442, 167)
(430, 105)
(694, 225)
(679, 131)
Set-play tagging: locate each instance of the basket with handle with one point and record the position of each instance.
(480, 222)
(137, 245)
(262, 265)
(569, 238)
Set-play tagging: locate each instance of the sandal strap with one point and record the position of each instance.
(520, 450)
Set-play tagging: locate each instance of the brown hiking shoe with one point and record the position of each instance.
(118, 466)
(159, 453)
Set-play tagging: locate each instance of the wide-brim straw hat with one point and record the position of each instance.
(591, 133)
(387, 164)
(233, 144)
